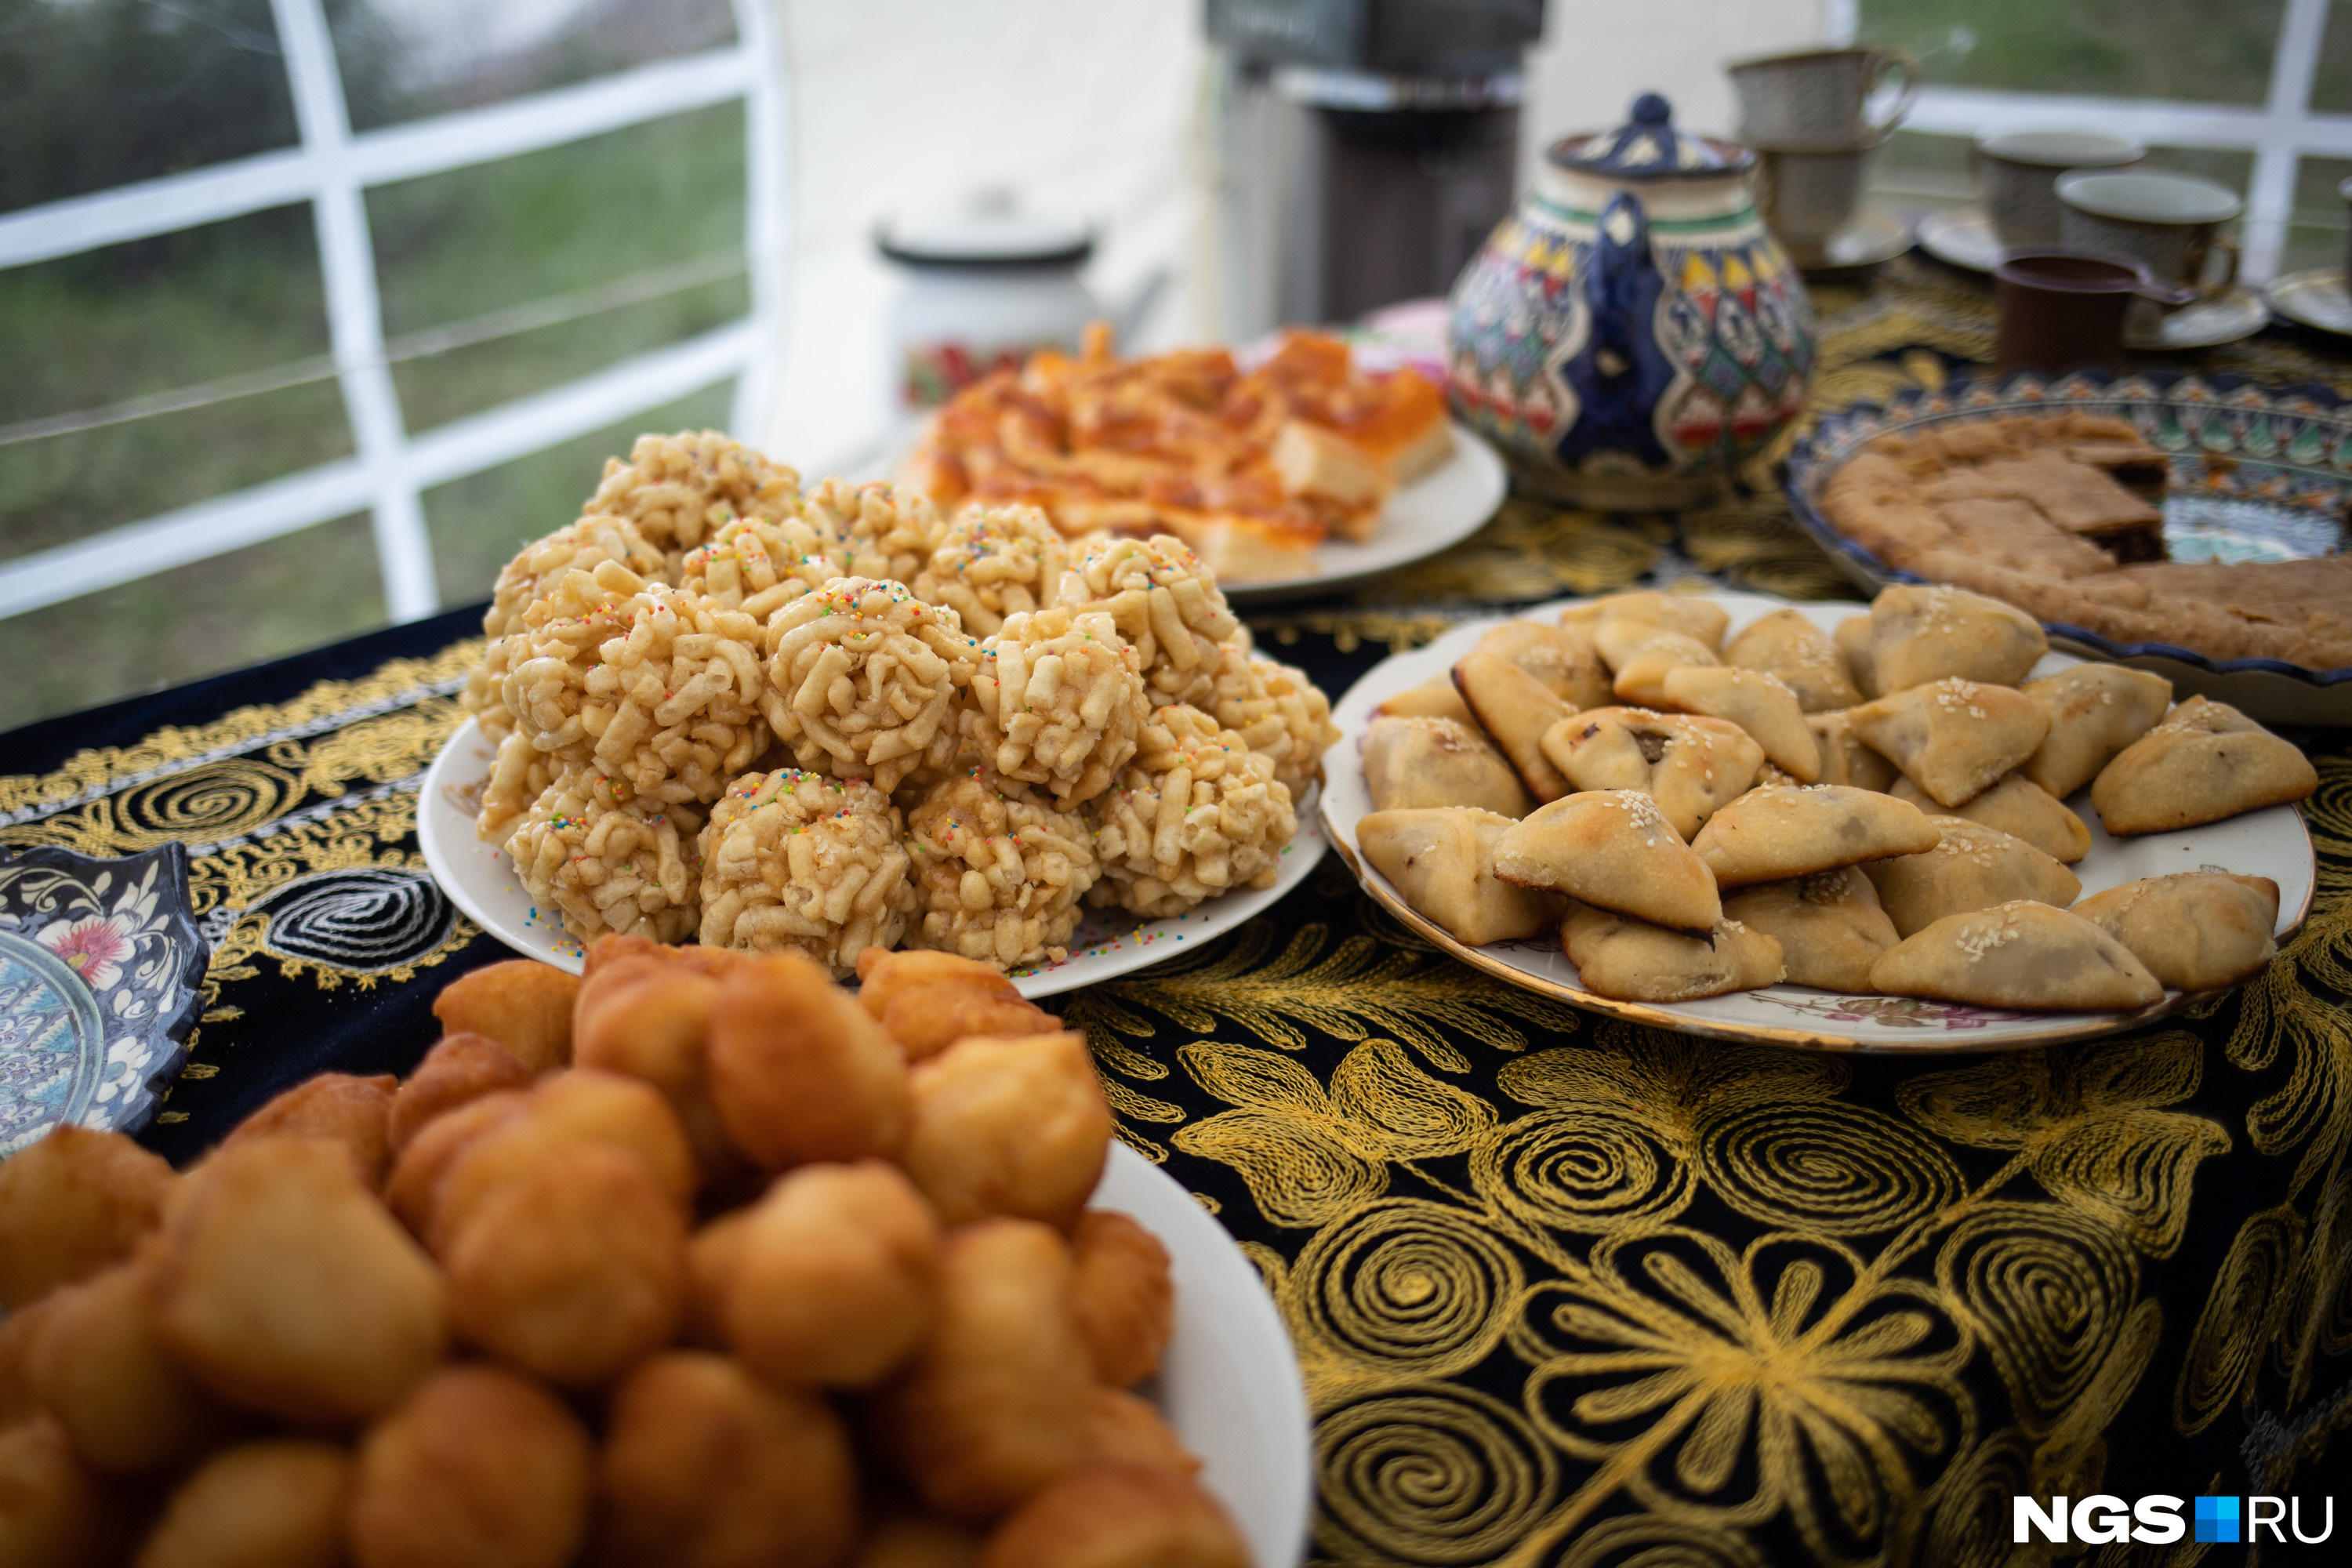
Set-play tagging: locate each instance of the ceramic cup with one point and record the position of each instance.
(1806, 197)
(1819, 101)
(2021, 172)
(2063, 309)
(2171, 224)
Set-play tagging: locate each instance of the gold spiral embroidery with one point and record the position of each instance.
(205, 804)
(1588, 1168)
(1968, 1511)
(1651, 1540)
(1414, 1288)
(2239, 1317)
(2050, 1290)
(1826, 1169)
(1298, 1174)
(1441, 1475)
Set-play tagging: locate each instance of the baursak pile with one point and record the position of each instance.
(1879, 810)
(697, 1260)
(731, 710)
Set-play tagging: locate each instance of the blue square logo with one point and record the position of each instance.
(2217, 1520)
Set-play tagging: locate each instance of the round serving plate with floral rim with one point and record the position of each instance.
(101, 965)
(2271, 843)
(2260, 473)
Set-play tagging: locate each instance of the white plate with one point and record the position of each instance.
(1961, 237)
(1441, 508)
(481, 880)
(1229, 1382)
(2270, 843)
(2237, 312)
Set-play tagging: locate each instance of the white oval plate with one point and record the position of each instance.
(1229, 1382)
(481, 880)
(1441, 508)
(2270, 843)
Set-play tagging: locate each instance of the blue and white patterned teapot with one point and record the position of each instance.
(1633, 333)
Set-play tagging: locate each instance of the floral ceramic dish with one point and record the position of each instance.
(100, 966)
(2258, 474)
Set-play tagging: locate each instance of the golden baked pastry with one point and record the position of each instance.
(1829, 925)
(1442, 860)
(2018, 956)
(1952, 737)
(1691, 765)
(2206, 762)
(1638, 962)
(1759, 704)
(1971, 866)
(2095, 710)
(1611, 848)
(1769, 835)
(1923, 634)
(2018, 807)
(1413, 763)
(1515, 709)
(2195, 931)
(1786, 644)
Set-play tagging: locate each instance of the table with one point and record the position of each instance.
(1564, 1290)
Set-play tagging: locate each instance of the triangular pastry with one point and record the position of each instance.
(1611, 848)
(1759, 704)
(1973, 867)
(1845, 759)
(1829, 925)
(1920, 633)
(1636, 962)
(1640, 655)
(2023, 956)
(2095, 710)
(1689, 764)
(1771, 835)
(2196, 931)
(1953, 737)
(1413, 763)
(1562, 658)
(1515, 709)
(1442, 862)
(1787, 644)
(2206, 762)
(1433, 699)
(1685, 613)
(1851, 636)
(2018, 807)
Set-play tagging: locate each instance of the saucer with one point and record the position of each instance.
(1962, 237)
(2239, 313)
(1871, 236)
(2316, 298)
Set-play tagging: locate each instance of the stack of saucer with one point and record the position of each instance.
(1809, 116)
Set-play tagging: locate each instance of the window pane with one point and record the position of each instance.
(618, 244)
(97, 93)
(2193, 49)
(478, 523)
(2331, 82)
(405, 59)
(266, 600)
(2314, 234)
(224, 324)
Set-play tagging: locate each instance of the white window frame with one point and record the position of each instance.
(331, 168)
(2279, 134)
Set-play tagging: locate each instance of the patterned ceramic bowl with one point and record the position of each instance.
(2259, 473)
(100, 962)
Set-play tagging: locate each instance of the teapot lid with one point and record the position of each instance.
(990, 231)
(1650, 148)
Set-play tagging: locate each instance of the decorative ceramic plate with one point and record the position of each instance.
(100, 965)
(1436, 511)
(1229, 1382)
(1962, 237)
(2316, 298)
(2270, 843)
(2237, 312)
(481, 880)
(2258, 474)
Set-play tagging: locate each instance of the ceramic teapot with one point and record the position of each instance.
(1631, 332)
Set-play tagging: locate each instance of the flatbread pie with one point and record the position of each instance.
(1829, 925)
(1921, 633)
(2095, 710)
(1773, 833)
(1637, 962)
(1442, 860)
(1762, 704)
(2206, 762)
(2196, 931)
(1953, 737)
(2018, 807)
(1787, 644)
(1611, 848)
(1973, 867)
(2021, 955)
(1413, 763)
(1515, 709)
(1691, 765)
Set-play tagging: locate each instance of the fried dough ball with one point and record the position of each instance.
(793, 858)
(909, 1538)
(1129, 1430)
(415, 1180)
(481, 1468)
(581, 546)
(834, 1276)
(574, 1270)
(546, 685)
(1125, 1296)
(993, 563)
(520, 1002)
(798, 1072)
(863, 679)
(608, 866)
(71, 1204)
(286, 1288)
(1057, 700)
(1117, 1516)
(711, 1255)
(565, 1110)
(55, 1511)
(101, 1367)
(1165, 601)
(884, 533)
(1197, 814)
(354, 1111)
(681, 489)
(1278, 713)
(999, 872)
(758, 566)
(275, 1503)
(18, 1331)
(1009, 1127)
(927, 1000)
(651, 1020)
(995, 1403)
(706, 1467)
(460, 1068)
